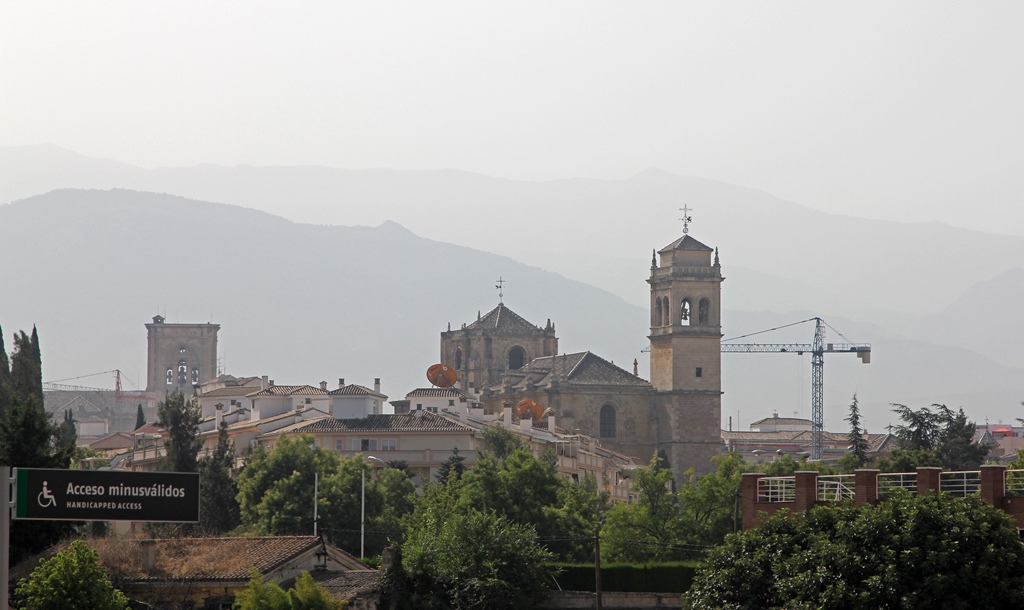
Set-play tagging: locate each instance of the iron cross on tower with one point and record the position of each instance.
(501, 283)
(687, 219)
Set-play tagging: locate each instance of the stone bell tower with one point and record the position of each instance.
(686, 361)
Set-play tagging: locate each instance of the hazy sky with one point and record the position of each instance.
(898, 110)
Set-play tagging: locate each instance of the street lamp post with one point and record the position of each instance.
(362, 512)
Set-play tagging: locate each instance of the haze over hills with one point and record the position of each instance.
(305, 303)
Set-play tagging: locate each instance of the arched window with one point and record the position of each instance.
(658, 321)
(170, 376)
(684, 312)
(182, 379)
(458, 359)
(667, 320)
(516, 358)
(703, 312)
(607, 422)
(195, 375)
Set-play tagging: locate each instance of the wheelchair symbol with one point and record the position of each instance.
(45, 498)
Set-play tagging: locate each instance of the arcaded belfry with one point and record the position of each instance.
(686, 361)
(503, 359)
(180, 356)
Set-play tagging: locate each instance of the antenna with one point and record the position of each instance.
(687, 219)
(501, 294)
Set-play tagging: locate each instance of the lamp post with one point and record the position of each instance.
(362, 512)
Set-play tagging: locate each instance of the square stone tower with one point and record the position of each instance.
(686, 353)
(180, 355)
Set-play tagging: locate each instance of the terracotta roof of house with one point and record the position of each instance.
(406, 422)
(686, 243)
(342, 585)
(149, 428)
(801, 437)
(581, 369)
(223, 559)
(782, 420)
(355, 390)
(231, 390)
(435, 393)
(290, 390)
(503, 319)
(117, 440)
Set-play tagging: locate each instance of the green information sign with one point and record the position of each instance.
(106, 495)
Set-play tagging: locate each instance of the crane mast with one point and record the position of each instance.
(818, 349)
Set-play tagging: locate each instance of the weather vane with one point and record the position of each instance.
(687, 219)
(501, 283)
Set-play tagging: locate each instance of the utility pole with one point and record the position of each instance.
(597, 566)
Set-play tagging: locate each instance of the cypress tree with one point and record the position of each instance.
(26, 367)
(858, 443)
(140, 417)
(5, 376)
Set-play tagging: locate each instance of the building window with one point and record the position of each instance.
(170, 376)
(684, 312)
(458, 359)
(607, 421)
(195, 375)
(700, 372)
(339, 444)
(182, 367)
(516, 358)
(309, 401)
(388, 444)
(367, 444)
(432, 409)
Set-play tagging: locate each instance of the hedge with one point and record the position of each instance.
(674, 577)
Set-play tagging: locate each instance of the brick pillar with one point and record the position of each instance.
(928, 479)
(806, 490)
(865, 484)
(749, 493)
(993, 483)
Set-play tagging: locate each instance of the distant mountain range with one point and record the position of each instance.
(304, 301)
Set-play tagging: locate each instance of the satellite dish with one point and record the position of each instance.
(442, 375)
(529, 408)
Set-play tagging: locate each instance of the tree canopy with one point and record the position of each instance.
(72, 579)
(936, 436)
(180, 417)
(908, 552)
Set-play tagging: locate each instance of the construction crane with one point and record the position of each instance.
(119, 393)
(817, 349)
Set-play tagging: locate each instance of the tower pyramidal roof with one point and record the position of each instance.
(686, 242)
(502, 319)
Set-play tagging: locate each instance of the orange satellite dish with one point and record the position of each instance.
(531, 408)
(442, 375)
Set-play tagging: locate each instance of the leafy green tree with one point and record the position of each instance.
(476, 559)
(908, 552)
(579, 512)
(180, 417)
(905, 460)
(500, 441)
(308, 595)
(858, 441)
(218, 491)
(140, 418)
(650, 529)
(71, 580)
(259, 595)
(710, 504)
(945, 433)
(275, 489)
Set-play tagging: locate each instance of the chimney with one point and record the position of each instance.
(263, 383)
(148, 548)
(508, 414)
(341, 382)
(323, 386)
(218, 414)
(376, 384)
(636, 370)
(526, 424)
(551, 423)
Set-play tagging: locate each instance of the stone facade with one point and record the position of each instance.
(502, 340)
(180, 356)
(677, 412)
